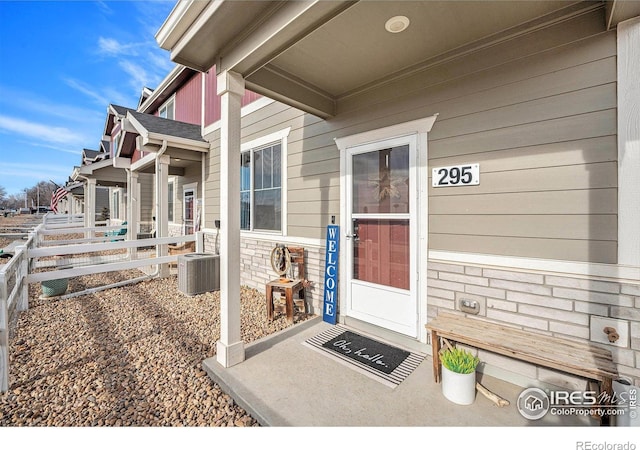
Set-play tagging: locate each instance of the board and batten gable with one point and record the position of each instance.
(537, 112)
(188, 101)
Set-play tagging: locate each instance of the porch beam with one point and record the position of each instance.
(230, 348)
(273, 83)
(286, 26)
(121, 163)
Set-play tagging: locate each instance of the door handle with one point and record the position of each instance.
(354, 236)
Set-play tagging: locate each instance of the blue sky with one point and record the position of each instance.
(61, 64)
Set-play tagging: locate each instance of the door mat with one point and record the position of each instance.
(382, 362)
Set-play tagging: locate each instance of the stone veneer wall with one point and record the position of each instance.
(256, 269)
(551, 304)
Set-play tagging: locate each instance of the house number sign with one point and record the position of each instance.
(462, 175)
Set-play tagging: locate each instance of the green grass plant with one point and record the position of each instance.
(459, 360)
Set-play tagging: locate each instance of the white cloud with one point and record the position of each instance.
(74, 151)
(35, 171)
(28, 101)
(104, 7)
(161, 61)
(107, 96)
(117, 97)
(41, 132)
(138, 76)
(151, 15)
(112, 47)
(19, 175)
(86, 90)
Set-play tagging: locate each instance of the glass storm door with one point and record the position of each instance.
(382, 240)
(189, 211)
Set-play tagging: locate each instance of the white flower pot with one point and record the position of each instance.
(459, 388)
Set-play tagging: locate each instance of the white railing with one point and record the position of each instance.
(18, 273)
(131, 263)
(14, 297)
(69, 220)
(96, 234)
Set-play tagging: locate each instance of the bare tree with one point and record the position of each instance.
(40, 194)
(14, 201)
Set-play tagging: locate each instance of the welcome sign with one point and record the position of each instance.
(330, 306)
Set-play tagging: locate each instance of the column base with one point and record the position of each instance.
(229, 355)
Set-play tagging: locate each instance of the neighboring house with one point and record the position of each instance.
(485, 151)
(189, 99)
(144, 194)
(93, 162)
(165, 132)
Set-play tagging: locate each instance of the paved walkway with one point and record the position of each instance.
(285, 383)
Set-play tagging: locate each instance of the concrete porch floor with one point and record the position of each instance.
(285, 383)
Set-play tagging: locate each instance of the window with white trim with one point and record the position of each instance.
(115, 208)
(168, 109)
(261, 188)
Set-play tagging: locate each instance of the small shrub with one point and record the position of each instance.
(459, 360)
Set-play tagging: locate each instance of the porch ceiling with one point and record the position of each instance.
(104, 173)
(312, 54)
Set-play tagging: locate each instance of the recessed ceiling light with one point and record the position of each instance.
(397, 24)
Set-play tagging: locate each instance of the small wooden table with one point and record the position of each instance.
(288, 287)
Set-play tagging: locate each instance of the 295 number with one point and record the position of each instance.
(456, 175)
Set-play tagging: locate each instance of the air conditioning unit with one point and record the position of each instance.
(198, 273)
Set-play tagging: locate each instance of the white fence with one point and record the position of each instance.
(14, 297)
(64, 258)
(51, 220)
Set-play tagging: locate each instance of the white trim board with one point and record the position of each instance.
(567, 268)
(628, 42)
(280, 239)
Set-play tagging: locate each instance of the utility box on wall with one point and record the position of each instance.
(198, 273)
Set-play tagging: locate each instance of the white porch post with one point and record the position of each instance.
(230, 348)
(90, 206)
(133, 189)
(162, 201)
(70, 203)
(629, 142)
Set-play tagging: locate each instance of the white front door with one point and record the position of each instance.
(382, 242)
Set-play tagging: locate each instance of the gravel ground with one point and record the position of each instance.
(12, 224)
(128, 356)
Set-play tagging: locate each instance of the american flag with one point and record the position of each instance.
(57, 195)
